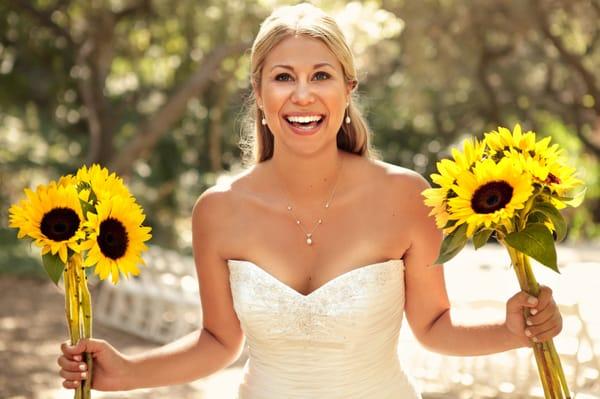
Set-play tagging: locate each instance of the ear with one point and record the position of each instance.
(350, 87)
(257, 95)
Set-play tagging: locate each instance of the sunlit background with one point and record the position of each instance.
(155, 89)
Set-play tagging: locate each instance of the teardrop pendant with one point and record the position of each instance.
(308, 239)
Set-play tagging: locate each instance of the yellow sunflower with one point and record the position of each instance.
(561, 181)
(543, 161)
(437, 197)
(116, 237)
(102, 184)
(473, 151)
(52, 217)
(70, 180)
(449, 170)
(490, 194)
(534, 156)
(504, 139)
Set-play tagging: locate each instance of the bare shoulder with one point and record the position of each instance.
(425, 292)
(403, 188)
(211, 224)
(220, 193)
(216, 203)
(211, 203)
(403, 182)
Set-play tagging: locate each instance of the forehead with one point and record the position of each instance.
(300, 51)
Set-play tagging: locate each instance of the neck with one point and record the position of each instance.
(308, 180)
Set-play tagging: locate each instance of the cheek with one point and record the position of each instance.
(276, 97)
(329, 95)
(334, 96)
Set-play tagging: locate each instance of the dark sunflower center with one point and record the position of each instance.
(112, 239)
(491, 196)
(60, 224)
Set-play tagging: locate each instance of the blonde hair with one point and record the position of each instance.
(257, 141)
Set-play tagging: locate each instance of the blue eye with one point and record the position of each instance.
(322, 75)
(283, 77)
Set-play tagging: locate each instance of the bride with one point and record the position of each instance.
(315, 252)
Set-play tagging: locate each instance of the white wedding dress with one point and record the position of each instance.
(339, 341)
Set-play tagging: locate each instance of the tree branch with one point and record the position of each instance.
(157, 125)
(579, 131)
(568, 57)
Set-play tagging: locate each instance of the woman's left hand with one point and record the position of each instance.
(544, 321)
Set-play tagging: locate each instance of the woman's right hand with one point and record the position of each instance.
(110, 367)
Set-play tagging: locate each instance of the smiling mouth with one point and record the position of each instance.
(305, 122)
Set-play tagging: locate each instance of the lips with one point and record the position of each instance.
(304, 123)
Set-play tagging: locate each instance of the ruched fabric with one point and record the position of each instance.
(340, 341)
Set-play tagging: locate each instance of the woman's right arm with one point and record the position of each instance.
(201, 353)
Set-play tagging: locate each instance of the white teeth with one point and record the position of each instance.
(304, 119)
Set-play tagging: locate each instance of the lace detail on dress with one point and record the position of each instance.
(338, 341)
(307, 315)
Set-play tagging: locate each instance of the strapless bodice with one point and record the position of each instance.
(339, 341)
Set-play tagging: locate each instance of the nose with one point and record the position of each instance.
(302, 94)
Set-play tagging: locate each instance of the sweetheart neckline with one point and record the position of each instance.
(321, 287)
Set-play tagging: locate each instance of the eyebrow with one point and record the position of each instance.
(319, 65)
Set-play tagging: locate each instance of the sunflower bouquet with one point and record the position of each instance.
(86, 220)
(512, 187)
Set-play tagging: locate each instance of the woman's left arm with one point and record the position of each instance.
(427, 306)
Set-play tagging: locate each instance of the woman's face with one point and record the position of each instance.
(303, 93)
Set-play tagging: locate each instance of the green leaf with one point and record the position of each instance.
(578, 199)
(571, 199)
(561, 198)
(481, 237)
(450, 223)
(452, 244)
(446, 256)
(54, 266)
(554, 216)
(537, 242)
(536, 217)
(86, 207)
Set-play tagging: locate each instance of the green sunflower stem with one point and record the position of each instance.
(525, 211)
(551, 349)
(542, 370)
(561, 373)
(548, 362)
(72, 309)
(553, 380)
(86, 321)
(519, 268)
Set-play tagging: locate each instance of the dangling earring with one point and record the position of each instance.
(263, 120)
(348, 120)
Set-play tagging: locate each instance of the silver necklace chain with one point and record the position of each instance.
(309, 239)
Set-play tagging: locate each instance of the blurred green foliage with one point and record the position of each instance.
(155, 89)
(19, 258)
